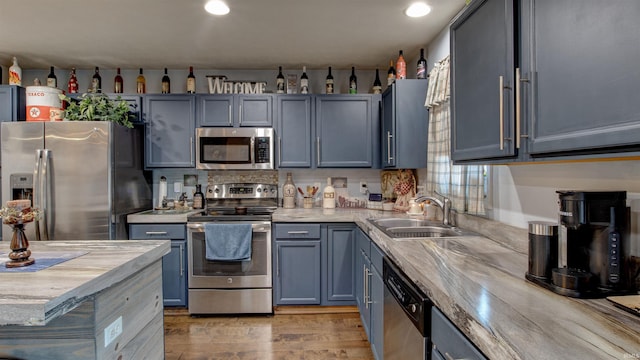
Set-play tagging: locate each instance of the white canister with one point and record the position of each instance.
(43, 103)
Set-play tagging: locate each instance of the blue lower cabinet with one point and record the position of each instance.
(339, 257)
(174, 264)
(314, 264)
(370, 291)
(297, 275)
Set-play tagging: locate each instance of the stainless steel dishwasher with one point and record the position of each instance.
(407, 317)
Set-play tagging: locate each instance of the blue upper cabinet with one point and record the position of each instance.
(482, 71)
(405, 122)
(235, 110)
(294, 131)
(581, 60)
(544, 79)
(347, 130)
(170, 130)
(12, 103)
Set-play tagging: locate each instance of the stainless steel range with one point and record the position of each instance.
(236, 286)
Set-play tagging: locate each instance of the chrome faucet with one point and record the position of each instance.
(444, 204)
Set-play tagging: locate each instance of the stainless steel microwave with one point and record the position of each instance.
(234, 148)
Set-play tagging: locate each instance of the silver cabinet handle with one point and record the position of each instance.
(181, 260)
(318, 150)
(240, 114)
(150, 233)
(230, 116)
(279, 151)
(501, 112)
(519, 79)
(369, 275)
(191, 149)
(365, 286)
(301, 232)
(277, 263)
(389, 137)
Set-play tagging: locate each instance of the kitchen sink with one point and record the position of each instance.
(405, 229)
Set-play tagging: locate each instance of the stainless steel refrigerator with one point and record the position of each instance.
(85, 177)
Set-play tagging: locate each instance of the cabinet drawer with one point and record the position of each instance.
(297, 231)
(157, 231)
(376, 257)
(450, 341)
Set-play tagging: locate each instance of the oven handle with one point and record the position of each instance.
(256, 227)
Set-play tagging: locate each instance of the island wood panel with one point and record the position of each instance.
(79, 334)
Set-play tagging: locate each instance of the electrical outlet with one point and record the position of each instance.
(112, 331)
(363, 187)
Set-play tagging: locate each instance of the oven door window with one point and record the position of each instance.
(257, 266)
(225, 150)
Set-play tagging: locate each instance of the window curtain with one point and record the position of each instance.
(462, 184)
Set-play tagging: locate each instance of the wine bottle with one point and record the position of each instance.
(391, 74)
(401, 67)
(96, 82)
(304, 81)
(117, 83)
(198, 198)
(191, 82)
(72, 84)
(166, 83)
(280, 81)
(329, 196)
(329, 83)
(289, 193)
(141, 83)
(377, 85)
(52, 80)
(421, 68)
(353, 82)
(15, 73)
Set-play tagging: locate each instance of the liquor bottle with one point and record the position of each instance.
(377, 85)
(289, 193)
(15, 73)
(52, 80)
(421, 68)
(191, 82)
(353, 82)
(304, 81)
(72, 84)
(118, 83)
(391, 74)
(401, 67)
(198, 198)
(329, 83)
(166, 83)
(280, 81)
(329, 196)
(141, 83)
(96, 82)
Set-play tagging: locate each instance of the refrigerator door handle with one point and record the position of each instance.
(46, 196)
(37, 191)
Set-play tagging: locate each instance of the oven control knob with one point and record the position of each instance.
(229, 280)
(413, 308)
(259, 190)
(216, 190)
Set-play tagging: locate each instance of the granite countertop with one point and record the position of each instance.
(478, 283)
(161, 216)
(35, 298)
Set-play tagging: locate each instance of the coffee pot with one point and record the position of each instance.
(593, 246)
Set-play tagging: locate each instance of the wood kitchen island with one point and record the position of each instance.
(105, 302)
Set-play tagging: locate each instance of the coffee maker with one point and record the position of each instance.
(593, 245)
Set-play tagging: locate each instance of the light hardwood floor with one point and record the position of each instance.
(284, 335)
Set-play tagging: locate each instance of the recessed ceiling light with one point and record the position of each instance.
(216, 7)
(418, 9)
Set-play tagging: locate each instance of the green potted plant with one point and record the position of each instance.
(98, 107)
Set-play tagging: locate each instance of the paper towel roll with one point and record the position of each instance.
(162, 190)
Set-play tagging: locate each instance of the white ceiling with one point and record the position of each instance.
(257, 34)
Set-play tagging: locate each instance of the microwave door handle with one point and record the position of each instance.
(252, 150)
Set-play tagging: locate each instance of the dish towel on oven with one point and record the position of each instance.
(227, 242)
